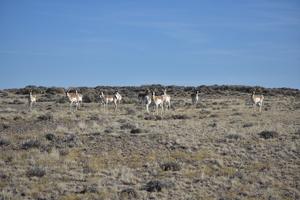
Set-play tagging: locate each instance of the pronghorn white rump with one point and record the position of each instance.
(31, 99)
(145, 98)
(195, 97)
(119, 97)
(257, 100)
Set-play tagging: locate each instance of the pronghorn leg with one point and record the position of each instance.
(147, 108)
(260, 107)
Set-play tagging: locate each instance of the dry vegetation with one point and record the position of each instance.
(218, 149)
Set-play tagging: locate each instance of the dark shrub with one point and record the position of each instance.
(149, 117)
(4, 126)
(170, 166)
(108, 130)
(136, 130)
(89, 98)
(248, 125)
(213, 125)
(46, 117)
(130, 111)
(157, 186)
(36, 171)
(268, 134)
(128, 193)
(71, 140)
(17, 101)
(233, 136)
(55, 90)
(30, 144)
(180, 117)
(4, 142)
(63, 152)
(127, 126)
(50, 136)
(62, 100)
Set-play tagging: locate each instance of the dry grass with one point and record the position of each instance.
(213, 150)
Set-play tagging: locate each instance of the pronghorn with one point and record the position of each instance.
(147, 102)
(79, 98)
(257, 100)
(118, 96)
(159, 101)
(145, 98)
(195, 97)
(106, 99)
(167, 99)
(142, 95)
(31, 99)
(74, 98)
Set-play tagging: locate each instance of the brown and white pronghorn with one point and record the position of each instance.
(31, 99)
(74, 98)
(145, 98)
(79, 96)
(106, 99)
(257, 100)
(158, 101)
(195, 97)
(166, 99)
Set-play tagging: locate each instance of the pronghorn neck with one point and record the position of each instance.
(155, 98)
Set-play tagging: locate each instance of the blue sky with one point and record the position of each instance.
(135, 42)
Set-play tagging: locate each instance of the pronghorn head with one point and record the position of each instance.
(67, 93)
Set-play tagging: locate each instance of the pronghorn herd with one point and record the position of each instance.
(160, 102)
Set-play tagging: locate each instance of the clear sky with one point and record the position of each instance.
(135, 42)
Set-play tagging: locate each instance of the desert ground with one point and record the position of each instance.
(221, 148)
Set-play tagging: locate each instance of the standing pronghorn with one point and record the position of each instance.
(195, 97)
(159, 101)
(257, 100)
(79, 96)
(167, 99)
(145, 98)
(106, 99)
(31, 99)
(74, 98)
(118, 96)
